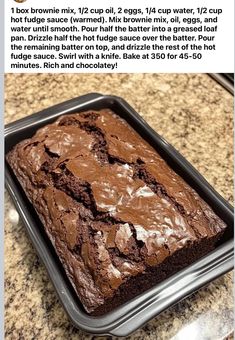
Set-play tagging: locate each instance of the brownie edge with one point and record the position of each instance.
(120, 219)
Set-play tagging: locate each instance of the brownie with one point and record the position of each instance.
(120, 219)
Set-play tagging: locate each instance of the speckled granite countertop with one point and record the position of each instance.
(193, 113)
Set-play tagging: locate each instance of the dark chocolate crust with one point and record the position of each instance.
(119, 217)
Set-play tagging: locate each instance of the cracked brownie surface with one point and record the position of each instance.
(119, 217)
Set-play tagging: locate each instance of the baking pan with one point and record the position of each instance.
(133, 314)
(224, 79)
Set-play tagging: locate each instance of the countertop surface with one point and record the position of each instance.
(194, 114)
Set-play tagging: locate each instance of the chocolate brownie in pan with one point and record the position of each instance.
(120, 219)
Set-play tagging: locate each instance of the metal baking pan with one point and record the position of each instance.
(225, 79)
(133, 314)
